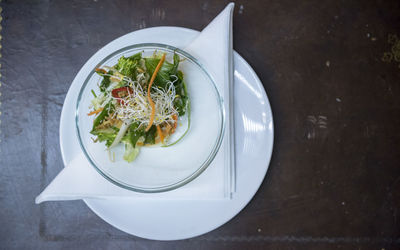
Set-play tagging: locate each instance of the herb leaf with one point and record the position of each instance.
(163, 75)
(127, 65)
(150, 136)
(135, 133)
(108, 109)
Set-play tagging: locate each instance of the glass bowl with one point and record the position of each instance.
(158, 169)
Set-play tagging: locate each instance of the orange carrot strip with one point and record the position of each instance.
(160, 133)
(95, 111)
(175, 117)
(101, 70)
(153, 108)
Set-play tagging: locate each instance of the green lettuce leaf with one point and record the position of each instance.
(150, 136)
(130, 152)
(181, 99)
(108, 109)
(135, 133)
(128, 65)
(107, 135)
(166, 71)
(105, 83)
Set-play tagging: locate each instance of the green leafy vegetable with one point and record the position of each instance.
(135, 133)
(127, 67)
(181, 98)
(169, 72)
(150, 136)
(163, 75)
(130, 152)
(105, 83)
(136, 57)
(124, 117)
(174, 69)
(108, 109)
(107, 135)
(186, 131)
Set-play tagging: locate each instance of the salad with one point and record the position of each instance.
(139, 103)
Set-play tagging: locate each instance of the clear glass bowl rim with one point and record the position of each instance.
(203, 166)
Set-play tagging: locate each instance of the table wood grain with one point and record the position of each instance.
(334, 178)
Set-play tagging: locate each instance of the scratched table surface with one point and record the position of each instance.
(334, 178)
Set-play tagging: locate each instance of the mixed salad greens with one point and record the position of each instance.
(140, 102)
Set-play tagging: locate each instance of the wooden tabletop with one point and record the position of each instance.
(328, 67)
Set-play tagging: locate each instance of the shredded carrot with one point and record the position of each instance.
(153, 108)
(160, 133)
(175, 117)
(101, 70)
(95, 111)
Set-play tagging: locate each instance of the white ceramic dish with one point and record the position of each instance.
(180, 219)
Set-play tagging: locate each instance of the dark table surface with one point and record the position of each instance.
(334, 178)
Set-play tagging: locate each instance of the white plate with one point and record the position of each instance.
(180, 219)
